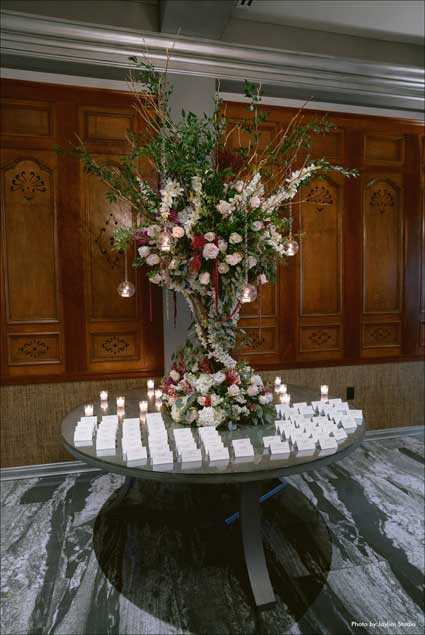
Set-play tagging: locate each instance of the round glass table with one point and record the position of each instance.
(247, 473)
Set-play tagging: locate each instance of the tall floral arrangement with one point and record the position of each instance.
(213, 230)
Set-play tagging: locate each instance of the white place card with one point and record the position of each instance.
(136, 456)
(280, 451)
(305, 447)
(270, 439)
(218, 455)
(154, 418)
(110, 419)
(162, 458)
(306, 410)
(300, 404)
(242, 448)
(88, 420)
(356, 414)
(340, 435)
(282, 410)
(327, 446)
(348, 424)
(334, 402)
(191, 455)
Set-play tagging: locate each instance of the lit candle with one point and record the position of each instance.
(286, 398)
(151, 394)
(158, 405)
(277, 381)
(158, 394)
(120, 402)
(104, 406)
(143, 405)
(103, 395)
(283, 389)
(88, 410)
(120, 413)
(150, 384)
(324, 389)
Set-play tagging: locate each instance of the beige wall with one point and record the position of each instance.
(391, 395)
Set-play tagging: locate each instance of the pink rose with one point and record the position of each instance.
(178, 232)
(152, 260)
(210, 251)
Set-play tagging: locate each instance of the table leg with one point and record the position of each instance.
(252, 540)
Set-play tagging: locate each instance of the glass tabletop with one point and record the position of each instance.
(261, 466)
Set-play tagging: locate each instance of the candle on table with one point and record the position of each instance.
(120, 413)
(277, 381)
(283, 389)
(158, 394)
(324, 389)
(143, 405)
(158, 405)
(286, 398)
(103, 395)
(150, 384)
(88, 410)
(120, 402)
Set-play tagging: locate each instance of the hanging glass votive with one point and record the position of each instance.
(164, 241)
(249, 294)
(290, 246)
(126, 289)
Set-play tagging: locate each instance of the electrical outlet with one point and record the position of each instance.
(350, 392)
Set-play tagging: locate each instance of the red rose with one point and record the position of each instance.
(207, 402)
(199, 242)
(232, 377)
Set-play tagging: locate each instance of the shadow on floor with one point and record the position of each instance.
(167, 550)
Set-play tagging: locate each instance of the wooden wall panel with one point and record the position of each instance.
(352, 294)
(63, 317)
(320, 270)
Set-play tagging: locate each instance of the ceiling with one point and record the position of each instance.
(400, 21)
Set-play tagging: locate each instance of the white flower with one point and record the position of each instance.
(156, 279)
(233, 390)
(264, 399)
(225, 208)
(201, 401)
(197, 184)
(252, 390)
(209, 236)
(175, 376)
(153, 259)
(174, 263)
(222, 245)
(177, 232)
(256, 379)
(203, 383)
(235, 238)
(262, 278)
(234, 259)
(219, 377)
(223, 267)
(255, 201)
(257, 225)
(204, 277)
(210, 251)
(144, 251)
(152, 230)
(215, 399)
(207, 417)
(251, 262)
(239, 186)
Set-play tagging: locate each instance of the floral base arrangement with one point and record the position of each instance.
(213, 231)
(201, 392)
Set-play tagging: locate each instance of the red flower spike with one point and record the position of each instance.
(195, 264)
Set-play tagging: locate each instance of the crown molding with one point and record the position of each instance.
(27, 37)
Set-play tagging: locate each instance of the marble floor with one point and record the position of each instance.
(344, 547)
